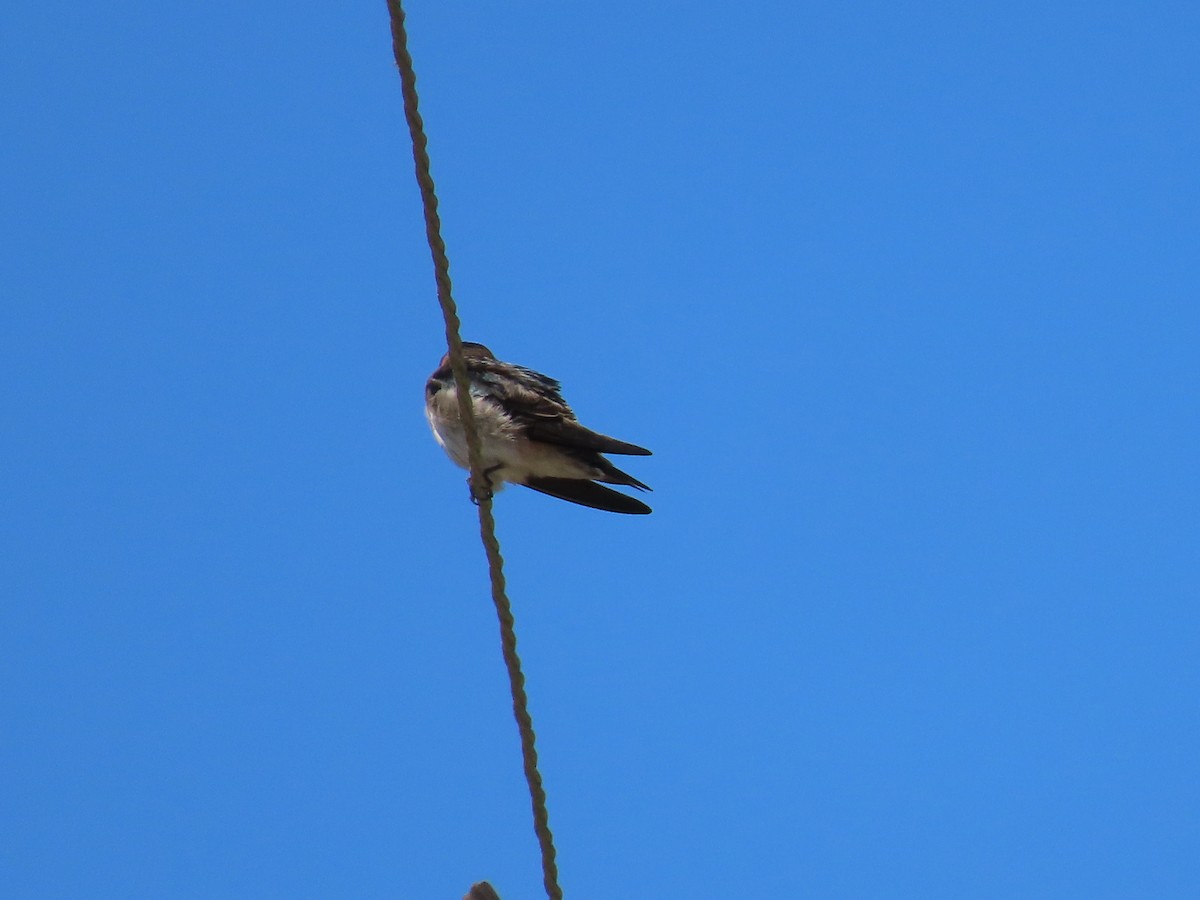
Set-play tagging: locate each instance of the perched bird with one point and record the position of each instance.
(528, 433)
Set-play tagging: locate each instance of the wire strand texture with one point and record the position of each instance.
(480, 488)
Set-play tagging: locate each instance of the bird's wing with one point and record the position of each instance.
(569, 433)
(535, 400)
(588, 493)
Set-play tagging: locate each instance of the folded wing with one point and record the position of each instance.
(536, 400)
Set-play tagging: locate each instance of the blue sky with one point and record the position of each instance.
(904, 299)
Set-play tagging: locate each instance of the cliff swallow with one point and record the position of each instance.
(529, 434)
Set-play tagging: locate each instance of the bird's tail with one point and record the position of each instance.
(613, 475)
(588, 493)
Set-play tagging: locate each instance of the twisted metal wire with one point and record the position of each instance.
(480, 487)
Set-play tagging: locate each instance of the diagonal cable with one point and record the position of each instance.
(480, 487)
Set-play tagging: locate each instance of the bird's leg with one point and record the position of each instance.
(487, 474)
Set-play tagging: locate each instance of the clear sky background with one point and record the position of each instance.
(904, 297)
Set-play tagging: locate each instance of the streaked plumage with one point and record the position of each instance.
(529, 434)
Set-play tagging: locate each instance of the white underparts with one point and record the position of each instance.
(503, 442)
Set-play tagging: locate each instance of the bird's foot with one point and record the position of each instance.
(478, 496)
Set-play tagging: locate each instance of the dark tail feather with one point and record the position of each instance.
(588, 493)
(613, 475)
